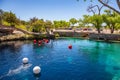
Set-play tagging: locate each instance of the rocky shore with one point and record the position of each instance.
(15, 37)
(88, 35)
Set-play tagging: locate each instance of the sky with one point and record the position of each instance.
(47, 9)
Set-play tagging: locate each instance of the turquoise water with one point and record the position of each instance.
(87, 60)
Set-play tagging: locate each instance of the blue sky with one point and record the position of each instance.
(46, 9)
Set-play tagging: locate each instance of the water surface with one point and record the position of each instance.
(87, 60)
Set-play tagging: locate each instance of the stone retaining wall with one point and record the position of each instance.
(95, 36)
(107, 37)
(72, 34)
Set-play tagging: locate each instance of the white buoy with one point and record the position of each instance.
(36, 70)
(25, 60)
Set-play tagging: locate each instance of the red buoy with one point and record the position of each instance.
(70, 46)
(47, 41)
(40, 42)
(44, 40)
(34, 41)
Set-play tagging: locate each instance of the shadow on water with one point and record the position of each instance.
(37, 76)
(13, 46)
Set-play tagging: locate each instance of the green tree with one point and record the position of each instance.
(61, 24)
(56, 24)
(33, 20)
(35, 24)
(97, 21)
(86, 20)
(80, 22)
(64, 24)
(112, 20)
(48, 24)
(73, 21)
(23, 22)
(117, 26)
(38, 25)
(10, 18)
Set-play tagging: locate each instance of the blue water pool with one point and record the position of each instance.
(87, 60)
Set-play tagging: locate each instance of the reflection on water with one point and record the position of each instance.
(17, 70)
(87, 60)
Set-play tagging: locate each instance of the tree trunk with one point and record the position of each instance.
(98, 29)
(110, 6)
(112, 29)
(118, 3)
